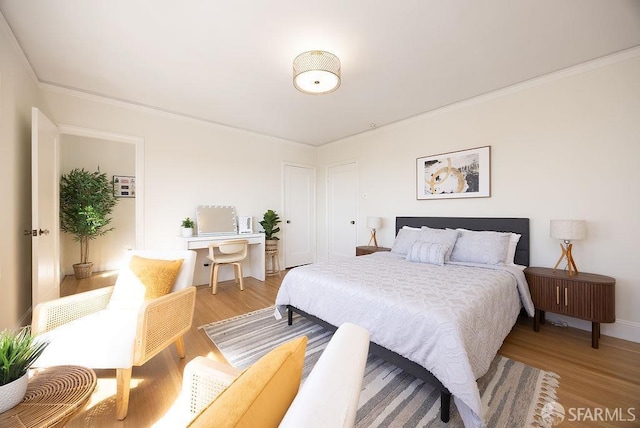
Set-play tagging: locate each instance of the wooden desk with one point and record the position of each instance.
(256, 253)
(587, 296)
(54, 395)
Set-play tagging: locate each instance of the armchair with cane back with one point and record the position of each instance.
(150, 307)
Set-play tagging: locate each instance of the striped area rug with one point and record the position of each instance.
(513, 393)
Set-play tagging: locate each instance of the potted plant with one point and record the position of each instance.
(187, 227)
(269, 224)
(86, 200)
(17, 353)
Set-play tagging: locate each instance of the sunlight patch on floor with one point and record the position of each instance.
(106, 389)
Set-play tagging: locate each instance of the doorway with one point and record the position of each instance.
(119, 154)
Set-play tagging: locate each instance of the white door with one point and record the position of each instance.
(45, 264)
(342, 204)
(299, 222)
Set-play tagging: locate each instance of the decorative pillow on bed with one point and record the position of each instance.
(440, 236)
(511, 249)
(484, 247)
(428, 252)
(405, 238)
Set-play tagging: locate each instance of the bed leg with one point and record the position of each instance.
(445, 403)
(289, 316)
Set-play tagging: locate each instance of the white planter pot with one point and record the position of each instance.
(186, 232)
(12, 393)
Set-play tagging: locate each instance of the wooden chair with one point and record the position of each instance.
(230, 252)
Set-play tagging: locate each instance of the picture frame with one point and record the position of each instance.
(461, 174)
(124, 186)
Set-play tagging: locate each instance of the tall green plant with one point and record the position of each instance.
(17, 354)
(268, 223)
(86, 201)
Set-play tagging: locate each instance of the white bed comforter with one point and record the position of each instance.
(450, 319)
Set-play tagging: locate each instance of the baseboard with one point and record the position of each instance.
(622, 329)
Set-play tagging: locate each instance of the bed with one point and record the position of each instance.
(441, 322)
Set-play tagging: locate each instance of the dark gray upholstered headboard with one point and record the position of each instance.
(516, 225)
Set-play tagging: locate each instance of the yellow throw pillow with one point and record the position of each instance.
(262, 394)
(157, 275)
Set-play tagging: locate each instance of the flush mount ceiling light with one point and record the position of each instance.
(316, 72)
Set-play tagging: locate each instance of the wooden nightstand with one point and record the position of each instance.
(364, 250)
(586, 296)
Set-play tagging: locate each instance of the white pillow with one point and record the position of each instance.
(484, 247)
(428, 252)
(404, 239)
(511, 249)
(440, 236)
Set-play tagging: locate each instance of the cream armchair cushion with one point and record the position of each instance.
(114, 327)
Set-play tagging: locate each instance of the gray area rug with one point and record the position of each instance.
(513, 393)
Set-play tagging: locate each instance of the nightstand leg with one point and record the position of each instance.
(536, 320)
(595, 334)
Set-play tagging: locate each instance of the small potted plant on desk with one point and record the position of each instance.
(186, 230)
(269, 224)
(86, 201)
(17, 353)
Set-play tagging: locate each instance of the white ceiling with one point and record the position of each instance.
(230, 62)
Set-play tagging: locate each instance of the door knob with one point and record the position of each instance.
(43, 232)
(352, 222)
(28, 232)
(288, 221)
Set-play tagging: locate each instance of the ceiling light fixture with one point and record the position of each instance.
(316, 72)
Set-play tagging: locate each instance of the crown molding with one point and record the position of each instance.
(574, 70)
(18, 49)
(77, 93)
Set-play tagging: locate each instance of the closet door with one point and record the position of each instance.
(299, 221)
(342, 201)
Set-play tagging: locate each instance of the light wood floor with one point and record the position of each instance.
(608, 377)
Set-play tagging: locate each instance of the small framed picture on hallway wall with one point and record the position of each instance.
(124, 186)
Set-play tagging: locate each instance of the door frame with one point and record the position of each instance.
(66, 129)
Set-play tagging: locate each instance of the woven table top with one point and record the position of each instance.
(53, 396)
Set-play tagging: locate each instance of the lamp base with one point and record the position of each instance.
(571, 264)
(373, 239)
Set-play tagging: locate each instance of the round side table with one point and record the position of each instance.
(54, 395)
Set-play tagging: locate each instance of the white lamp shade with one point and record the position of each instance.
(316, 72)
(568, 230)
(374, 222)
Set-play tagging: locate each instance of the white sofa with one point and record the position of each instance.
(328, 397)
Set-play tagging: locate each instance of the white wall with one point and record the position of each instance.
(565, 146)
(112, 158)
(18, 93)
(187, 162)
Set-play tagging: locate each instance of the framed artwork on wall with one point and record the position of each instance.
(124, 186)
(462, 174)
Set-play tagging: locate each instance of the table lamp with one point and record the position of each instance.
(374, 223)
(567, 231)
